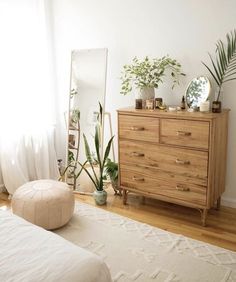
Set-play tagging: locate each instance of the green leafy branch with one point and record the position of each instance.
(149, 73)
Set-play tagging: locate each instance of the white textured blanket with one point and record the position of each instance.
(31, 254)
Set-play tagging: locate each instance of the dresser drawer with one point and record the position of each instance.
(185, 133)
(139, 128)
(167, 162)
(140, 182)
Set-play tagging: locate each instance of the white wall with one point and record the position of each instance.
(184, 29)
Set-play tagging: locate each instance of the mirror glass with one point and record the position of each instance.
(197, 91)
(87, 91)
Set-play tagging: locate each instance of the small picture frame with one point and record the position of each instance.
(149, 104)
(138, 104)
(158, 102)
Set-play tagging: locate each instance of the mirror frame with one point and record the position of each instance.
(208, 95)
(74, 185)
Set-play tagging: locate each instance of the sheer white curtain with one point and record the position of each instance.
(26, 95)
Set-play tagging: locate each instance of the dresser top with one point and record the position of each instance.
(183, 114)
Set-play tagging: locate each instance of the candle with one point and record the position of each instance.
(172, 109)
(204, 106)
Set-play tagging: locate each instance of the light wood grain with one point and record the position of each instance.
(220, 230)
(187, 165)
(200, 116)
(186, 133)
(139, 128)
(190, 156)
(217, 159)
(186, 193)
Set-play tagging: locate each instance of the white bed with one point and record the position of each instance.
(30, 253)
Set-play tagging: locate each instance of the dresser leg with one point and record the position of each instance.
(203, 216)
(218, 203)
(124, 196)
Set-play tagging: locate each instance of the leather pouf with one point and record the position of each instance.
(46, 203)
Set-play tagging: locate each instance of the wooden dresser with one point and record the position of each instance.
(178, 157)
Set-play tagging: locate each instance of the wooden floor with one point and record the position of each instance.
(220, 230)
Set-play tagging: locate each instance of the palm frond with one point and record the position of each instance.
(219, 77)
(223, 69)
(230, 74)
(212, 73)
(230, 79)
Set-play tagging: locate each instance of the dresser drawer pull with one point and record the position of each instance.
(183, 133)
(182, 162)
(138, 179)
(136, 154)
(137, 128)
(181, 188)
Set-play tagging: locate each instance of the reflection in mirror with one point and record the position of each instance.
(198, 91)
(87, 98)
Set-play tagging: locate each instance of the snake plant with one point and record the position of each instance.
(97, 180)
(224, 66)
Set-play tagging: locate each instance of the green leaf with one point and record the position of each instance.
(229, 74)
(107, 151)
(215, 69)
(96, 184)
(97, 146)
(89, 157)
(87, 150)
(216, 80)
(233, 78)
(148, 73)
(225, 66)
(100, 113)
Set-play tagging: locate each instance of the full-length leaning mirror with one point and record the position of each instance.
(87, 93)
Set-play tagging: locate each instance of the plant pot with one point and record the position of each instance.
(216, 107)
(147, 93)
(100, 197)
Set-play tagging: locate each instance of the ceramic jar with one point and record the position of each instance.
(100, 197)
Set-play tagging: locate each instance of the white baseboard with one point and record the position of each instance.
(228, 202)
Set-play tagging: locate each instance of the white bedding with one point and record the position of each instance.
(30, 253)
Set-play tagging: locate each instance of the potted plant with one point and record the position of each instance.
(147, 74)
(100, 195)
(224, 66)
(112, 171)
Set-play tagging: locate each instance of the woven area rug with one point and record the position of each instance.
(139, 252)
